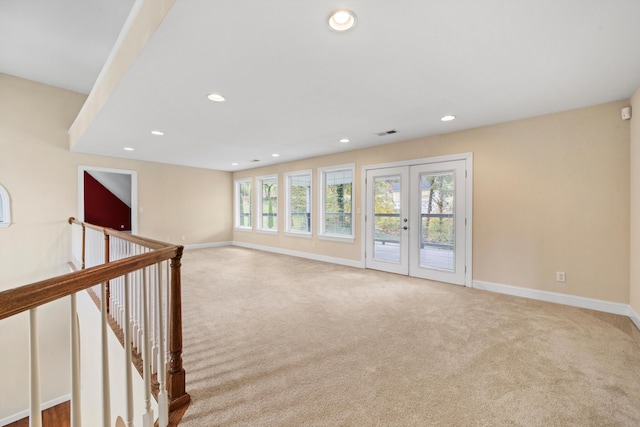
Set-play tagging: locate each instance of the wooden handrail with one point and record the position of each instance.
(23, 298)
(142, 241)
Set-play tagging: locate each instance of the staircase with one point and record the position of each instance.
(135, 283)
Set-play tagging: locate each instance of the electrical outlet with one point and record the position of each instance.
(561, 276)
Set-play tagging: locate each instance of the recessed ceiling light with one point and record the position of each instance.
(128, 149)
(216, 97)
(342, 20)
(448, 118)
(234, 164)
(344, 140)
(157, 132)
(275, 155)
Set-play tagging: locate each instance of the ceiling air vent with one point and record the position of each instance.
(389, 132)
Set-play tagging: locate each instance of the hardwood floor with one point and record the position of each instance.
(58, 416)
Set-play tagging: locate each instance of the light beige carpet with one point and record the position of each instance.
(272, 340)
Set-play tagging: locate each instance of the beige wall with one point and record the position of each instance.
(635, 204)
(41, 177)
(551, 193)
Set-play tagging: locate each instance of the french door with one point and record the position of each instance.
(416, 220)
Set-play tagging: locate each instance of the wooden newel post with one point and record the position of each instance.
(176, 389)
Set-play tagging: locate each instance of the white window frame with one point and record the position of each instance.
(5, 219)
(322, 173)
(287, 180)
(236, 204)
(259, 218)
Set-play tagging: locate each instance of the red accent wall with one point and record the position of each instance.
(103, 208)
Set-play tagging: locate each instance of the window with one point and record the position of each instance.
(5, 208)
(299, 202)
(243, 203)
(336, 202)
(268, 203)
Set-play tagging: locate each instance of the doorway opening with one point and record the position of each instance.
(108, 198)
(418, 218)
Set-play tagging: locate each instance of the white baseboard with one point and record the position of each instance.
(572, 300)
(307, 255)
(634, 317)
(43, 406)
(206, 245)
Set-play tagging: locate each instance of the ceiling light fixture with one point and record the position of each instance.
(234, 164)
(342, 20)
(448, 118)
(275, 155)
(128, 149)
(157, 132)
(216, 97)
(344, 140)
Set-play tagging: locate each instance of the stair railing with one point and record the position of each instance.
(137, 281)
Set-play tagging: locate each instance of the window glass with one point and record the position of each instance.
(299, 202)
(268, 204)
(243, 203)
(337, 215)
(5, 208)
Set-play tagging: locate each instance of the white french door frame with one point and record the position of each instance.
(468, 159)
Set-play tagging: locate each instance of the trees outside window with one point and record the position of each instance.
(336, 201)
(299, 202)
(268, 203)
(243, 189)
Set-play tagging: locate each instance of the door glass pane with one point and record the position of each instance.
(387, 220)
(437, 231)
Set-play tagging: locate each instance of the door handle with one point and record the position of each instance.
(405, 228)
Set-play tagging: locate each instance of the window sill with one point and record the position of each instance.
(342, 239)
(245, 229)
(272, 232)
(297, 234)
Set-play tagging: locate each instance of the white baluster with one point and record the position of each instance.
(147, 418)
(153, 316)
(106, 388)
(75, 365)
(35, 415)
(127, 355)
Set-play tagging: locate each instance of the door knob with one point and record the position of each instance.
(405, 228)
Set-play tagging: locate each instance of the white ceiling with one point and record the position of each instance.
(62, 43)
(295, 87)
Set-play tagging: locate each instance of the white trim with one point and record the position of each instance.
(634, 317)
(287, 213)
(558, 298)
(306, 255)
(322, 172)
(425, 160)
(303, 234)
(259, 217)
(24, 414)
(468, 158)
(236, 199)
(134, 192)
(337, 238)
(267, 231)
(5, 218)
(206, 245)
